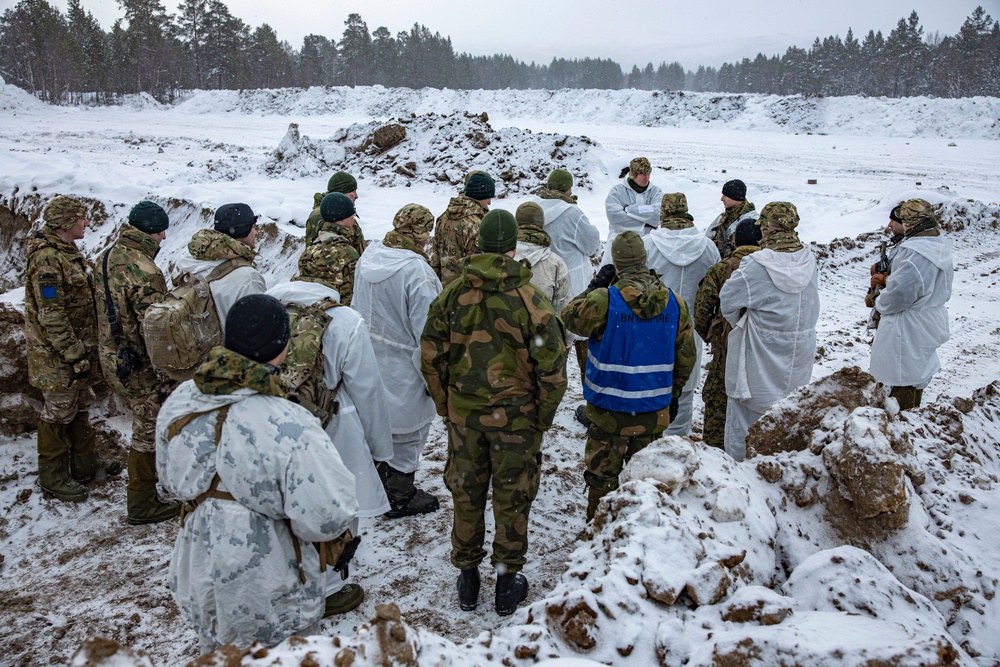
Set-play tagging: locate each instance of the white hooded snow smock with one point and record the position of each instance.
(772, 346)
(914, 317)
(548, 273)
(682, 257)
(360, 430)
(226, 290)
(393, 290)
(627, 209)
(233, 571)
(574, 239)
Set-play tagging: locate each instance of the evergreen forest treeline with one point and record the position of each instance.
(70, 58)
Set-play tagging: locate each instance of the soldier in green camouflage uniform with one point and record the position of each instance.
(457, 229)
(61, 335)
(126, 271)
(345, 184)
(493, 356)
(333, 248)
(714, 330)
(734, 199)
(613, 437)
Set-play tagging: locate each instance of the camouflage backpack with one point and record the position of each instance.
(302, 371)
(181, 329)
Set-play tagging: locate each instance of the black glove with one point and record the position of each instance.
(673, 409)
(605, 276)
(345, 558)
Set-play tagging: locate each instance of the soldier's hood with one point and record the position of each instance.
(302, 292)
(532, 252)
(491, 272)
(199, 267)
(380, 263)
(791, 272)
(681, 247)
(936, 249)
(552, 208)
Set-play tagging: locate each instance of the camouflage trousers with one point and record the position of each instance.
(613, 438)
(511, 460)
(580, 346)
(713, 393)
(61, 406)
(907, 397)
(145, 408)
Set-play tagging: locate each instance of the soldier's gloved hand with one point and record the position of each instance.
(605, 276)
(673, 409)
(75, 353)
(874, 269)
(81, 369)
(878, 280)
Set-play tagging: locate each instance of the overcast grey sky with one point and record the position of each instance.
(693, 31)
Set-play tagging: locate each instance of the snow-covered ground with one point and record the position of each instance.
(640, 590)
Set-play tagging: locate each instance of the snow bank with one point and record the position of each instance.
(974, 117)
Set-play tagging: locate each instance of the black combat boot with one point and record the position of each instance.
(512, 588)
(468, 588)
(405, 499)
(581, 415)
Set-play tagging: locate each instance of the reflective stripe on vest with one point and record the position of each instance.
(631, 368)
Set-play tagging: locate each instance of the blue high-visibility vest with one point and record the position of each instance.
(631, 368)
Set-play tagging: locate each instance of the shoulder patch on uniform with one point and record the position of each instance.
(48, 291)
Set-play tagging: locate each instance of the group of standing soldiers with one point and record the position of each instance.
(476, 330)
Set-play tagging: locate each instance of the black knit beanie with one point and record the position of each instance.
(235, 220)
(148, 217)
(257, 327)
(735, 189)
(747, 232)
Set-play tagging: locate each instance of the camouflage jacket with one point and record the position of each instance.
(456, 236)
(492, 349)
(719, 231)
(334, 252)
(646, 296)
(708, 320)
(59, 318)
(209, 245)
(135, 283)
(315, 224)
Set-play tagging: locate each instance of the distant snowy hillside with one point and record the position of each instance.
(975, 117)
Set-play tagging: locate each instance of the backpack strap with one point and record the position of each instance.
(213, 489)
(226, 267)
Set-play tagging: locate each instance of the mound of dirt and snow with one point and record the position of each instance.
(858, 116)
(435, 149)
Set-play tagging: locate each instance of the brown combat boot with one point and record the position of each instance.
(85, 462)
(53, 465)
(144, 505)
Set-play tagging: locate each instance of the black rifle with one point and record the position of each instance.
(881, 267)
(129, 361)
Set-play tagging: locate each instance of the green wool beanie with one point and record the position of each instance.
(560, 180)
(336, 207)
(498, 232)
(628, 252)
(148, 217)
(342, 182)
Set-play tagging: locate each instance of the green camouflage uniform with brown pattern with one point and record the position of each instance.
(493, 356)
(332, 257)
(210, 245)
(614, 437)
(135, 283)
(729, 216)
(714, 329)
(456, 235)
(315, 224)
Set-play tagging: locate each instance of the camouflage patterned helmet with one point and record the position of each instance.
(639, 165)
(63, 212)
(413, 220)
(779, 216)
(912, 212)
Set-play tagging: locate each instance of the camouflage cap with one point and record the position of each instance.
(413, 220)
(639, 165)
(628, 251)
(62, 212)
(529, 214)
(778, 216)
(912, 212)
(673, 203)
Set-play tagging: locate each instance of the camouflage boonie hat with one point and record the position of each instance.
(912, 212)
(639, 165)
(778, 216)
(413, 220)
(63, 212)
